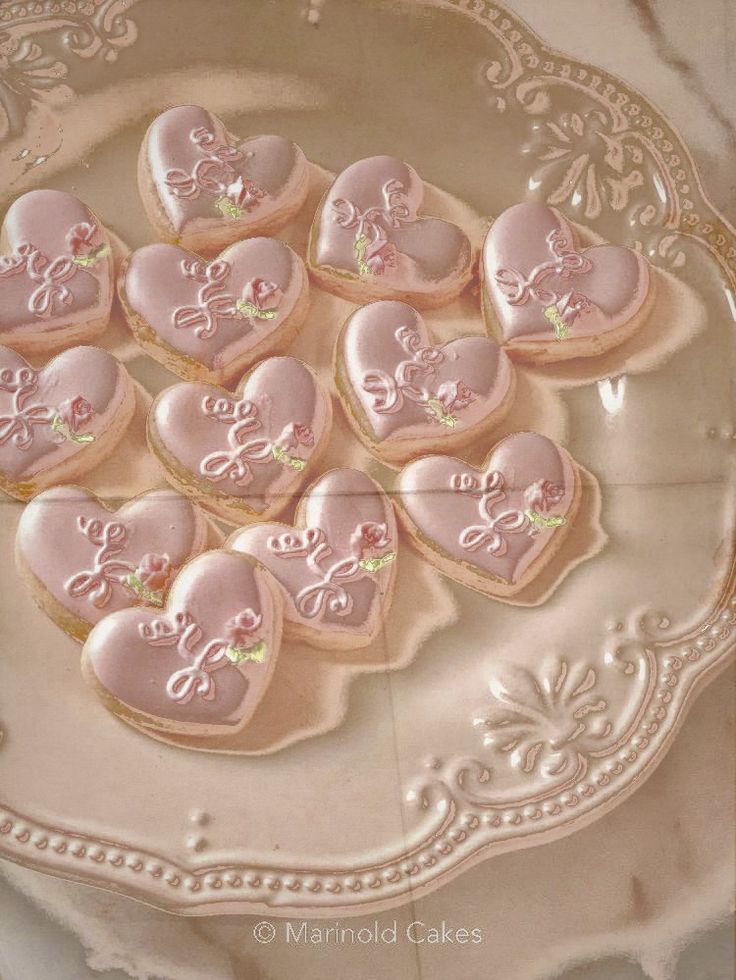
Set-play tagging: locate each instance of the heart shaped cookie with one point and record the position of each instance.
(553, 301)
(62, 420)
(202, 664)
(209, 321)
(494, 529)
(82, 560)
(56, 273)
(368, 242)
(405, 396)
(241, 456)
(204, 188)
(336, 565)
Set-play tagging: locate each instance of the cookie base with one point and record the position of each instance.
(552, 350)
(226, 507)
(189, 368)
(134, 716)
(217, 238)
(69, 470)
(30, 342)
(76, 627)
(361, 290)
(397, 452)
(467, 574)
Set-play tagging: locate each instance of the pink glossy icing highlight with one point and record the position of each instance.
(377, 363)
(336, 505)
(613, 279)
(211, 590)
(61, 291)
(422, 254)
(284, 393)
(156, 284)
(443, 514)
(80, 371)
(56, 550)
(274, 164)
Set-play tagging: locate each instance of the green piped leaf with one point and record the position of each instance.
(81, 438)
(285, 459)
(226, 208)
(239, 655)
(93, 257)
(541, 521)
(251, 310)
(361, 244)
(553, 315)
(374, 564)
(440, 415)
(135, 584)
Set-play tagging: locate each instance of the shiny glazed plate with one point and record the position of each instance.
(361, 785)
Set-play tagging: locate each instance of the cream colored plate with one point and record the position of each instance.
(359, 802)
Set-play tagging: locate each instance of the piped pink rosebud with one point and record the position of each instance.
(294, 434)
(454, 395)
(244, 193)
(74, 412)
(380, 255)
(154, 571)
(368, 537)
(303, 435)
(542, 495)
(240, 629)
(79, 238)
(264, 295)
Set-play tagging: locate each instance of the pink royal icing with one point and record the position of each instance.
(542, 288)
(254, 445)
(205, 177)
(338, 562)
(214, 312)
(58, 266)
(368, 225)
(94, 562)
(408, 388)
(206, 659)
(499, 519)
(49, 415)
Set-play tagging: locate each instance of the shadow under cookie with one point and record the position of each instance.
(308, 694)
(131, 469)
(676, 316)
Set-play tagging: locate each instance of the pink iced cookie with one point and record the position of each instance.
(204, 188)
(83, 560)
(404, 396)
(494, 529)
(62, 420)
(243, 455)
(208, 321)
(547, 300)
(56, 273)
(336, 565)
(202, 664)
(368, 241)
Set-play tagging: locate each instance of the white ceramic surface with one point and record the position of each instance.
(664, 464)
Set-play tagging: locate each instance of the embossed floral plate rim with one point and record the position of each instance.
(470, 830)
